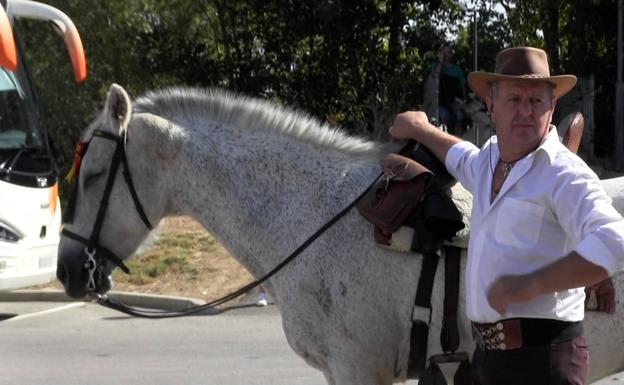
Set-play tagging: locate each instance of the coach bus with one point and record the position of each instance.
(30, 215)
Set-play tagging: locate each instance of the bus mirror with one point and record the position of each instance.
(8, 54)
(35, 10)
(74, 46)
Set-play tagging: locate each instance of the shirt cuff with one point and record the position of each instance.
(596, 252)
(454, 156)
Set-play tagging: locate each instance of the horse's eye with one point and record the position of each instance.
(91, 178)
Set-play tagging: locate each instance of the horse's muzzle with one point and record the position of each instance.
(77, 281)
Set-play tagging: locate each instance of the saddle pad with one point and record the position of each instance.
(402, 239)
(463, 201)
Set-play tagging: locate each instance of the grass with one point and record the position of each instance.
(171, 254)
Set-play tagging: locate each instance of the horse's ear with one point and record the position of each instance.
(118, 107)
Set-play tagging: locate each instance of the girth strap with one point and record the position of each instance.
(425, 282)
(419, 335)
(449, 335)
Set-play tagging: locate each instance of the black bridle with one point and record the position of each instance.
(96, 254)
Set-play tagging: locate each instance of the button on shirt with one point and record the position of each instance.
(550, 204)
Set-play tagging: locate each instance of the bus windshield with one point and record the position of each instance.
(19, 126)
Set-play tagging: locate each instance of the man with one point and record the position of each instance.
(542, 226)
(451, 90)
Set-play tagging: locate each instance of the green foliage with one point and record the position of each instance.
(355, 63)
(576, 43)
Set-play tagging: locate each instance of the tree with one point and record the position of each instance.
(352, 63)
(575, 44)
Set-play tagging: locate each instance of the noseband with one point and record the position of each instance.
(95, 253)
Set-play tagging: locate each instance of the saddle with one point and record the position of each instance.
(390, 201)
(413, 195)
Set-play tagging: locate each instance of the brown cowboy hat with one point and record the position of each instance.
(520, 63)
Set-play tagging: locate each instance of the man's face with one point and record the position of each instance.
(521, 111)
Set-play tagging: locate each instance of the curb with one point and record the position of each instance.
(152, 301)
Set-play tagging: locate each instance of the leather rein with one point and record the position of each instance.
(97, 255)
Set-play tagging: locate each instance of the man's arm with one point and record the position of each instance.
(415, 125)
(569, 272)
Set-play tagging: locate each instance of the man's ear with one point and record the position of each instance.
(489, 103)
(118, 108)
(553, 104)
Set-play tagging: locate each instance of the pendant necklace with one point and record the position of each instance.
(507, 166)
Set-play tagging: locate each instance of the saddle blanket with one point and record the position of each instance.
(402, 239)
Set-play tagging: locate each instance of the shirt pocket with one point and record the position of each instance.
(518, 223)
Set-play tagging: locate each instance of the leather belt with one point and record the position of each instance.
(523, 332)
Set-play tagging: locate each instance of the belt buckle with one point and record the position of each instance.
(478, 337)
(490, 336)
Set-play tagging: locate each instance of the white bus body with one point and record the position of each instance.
(30, 214)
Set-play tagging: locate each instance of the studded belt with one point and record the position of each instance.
(523, 332)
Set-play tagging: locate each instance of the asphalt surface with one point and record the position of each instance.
(83, 343)
(46, 339)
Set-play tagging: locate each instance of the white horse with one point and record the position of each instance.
(262, 179)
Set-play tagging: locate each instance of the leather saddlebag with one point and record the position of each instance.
(389, 202)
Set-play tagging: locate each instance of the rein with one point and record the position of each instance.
(115, 304)
(95, 253)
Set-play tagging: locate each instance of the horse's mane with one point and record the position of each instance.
(187, 103)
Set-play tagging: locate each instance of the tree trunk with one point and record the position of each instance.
(550, 26)
(396, 24)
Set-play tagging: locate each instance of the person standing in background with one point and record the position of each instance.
(451, 90)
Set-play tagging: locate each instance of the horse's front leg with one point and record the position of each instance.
(335, 356)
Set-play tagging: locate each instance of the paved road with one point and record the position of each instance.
(54, 343)
(88, 344)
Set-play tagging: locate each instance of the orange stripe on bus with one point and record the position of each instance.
(8, 53)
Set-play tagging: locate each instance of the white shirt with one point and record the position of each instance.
(550, 204)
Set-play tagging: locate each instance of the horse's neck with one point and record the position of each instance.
(262, 195)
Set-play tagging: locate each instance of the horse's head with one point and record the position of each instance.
(106, 218)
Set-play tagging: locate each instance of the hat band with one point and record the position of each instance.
(530, 76)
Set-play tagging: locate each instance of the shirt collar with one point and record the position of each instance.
(551, 143)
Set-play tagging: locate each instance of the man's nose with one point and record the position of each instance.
(525, 108)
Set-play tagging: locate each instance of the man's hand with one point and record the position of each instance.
(415, 125)
(510, 289)
(409, 125)
(569, 272)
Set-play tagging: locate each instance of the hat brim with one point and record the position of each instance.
(481, 81)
